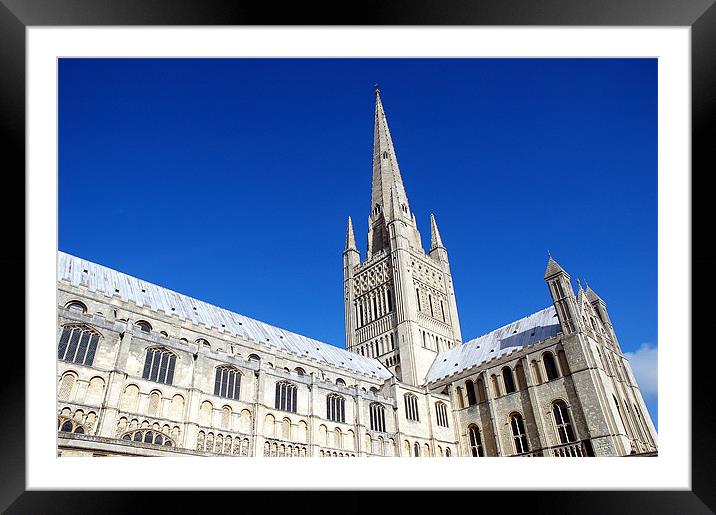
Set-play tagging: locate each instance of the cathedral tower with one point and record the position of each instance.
(399, 303)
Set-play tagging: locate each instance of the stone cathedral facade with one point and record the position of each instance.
(146, 371)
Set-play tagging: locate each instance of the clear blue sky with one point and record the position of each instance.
(231, 180)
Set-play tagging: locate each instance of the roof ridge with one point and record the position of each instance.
(261, 324)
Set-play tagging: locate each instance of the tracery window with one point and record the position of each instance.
(159, 365)
(411, 407)
(377, 417)
(518, 433)
(78, 344)
(441, 413)
(286, 395)
(562, 422)
(550, 366)
(335, 408)
(475, 441)
(227, 383)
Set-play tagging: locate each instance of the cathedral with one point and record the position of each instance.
(145, 371)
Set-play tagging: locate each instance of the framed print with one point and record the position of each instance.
(196, 180)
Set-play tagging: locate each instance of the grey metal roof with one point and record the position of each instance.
(512, 337)
(101, 279)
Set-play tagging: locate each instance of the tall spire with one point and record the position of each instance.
(350, 236)
(386, 173)
(435, 239)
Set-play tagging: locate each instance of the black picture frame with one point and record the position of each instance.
(17, 15)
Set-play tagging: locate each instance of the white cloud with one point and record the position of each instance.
(643, 362)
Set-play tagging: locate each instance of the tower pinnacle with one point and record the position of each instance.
(350, 236)
(435, 239)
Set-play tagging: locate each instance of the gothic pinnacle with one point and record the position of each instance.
(435, 239)
(350, 236)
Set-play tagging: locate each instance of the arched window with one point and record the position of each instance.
(550, 367)
(227, 382)
(66, 384)
(562, 422)
(254, 357)
(562, 358)
(448, 453)
(377, 417)
(481, 392)
(416, 449)
(508, 379)
(201, 342)
(78, 344)
(495, 385)
(335, 408)
(411, 407)
(518, 433)
(340, 382)
(286, 394)
(144, 326)
(473, 433)
(159, 365)
(535, 372)
(470, 389)
(521, 379)
(458, 396)
(76, 306)
(300, 371)
(441, 414)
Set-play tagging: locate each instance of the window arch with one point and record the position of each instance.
(78, 344)
(300, 371)
(286, 396)
(149, 436)
(416, 449)
(159, 365)
(550, 367)
(562, 358)
(521, 379)
(536, 372)
(495, 386)
(470, 389)
(377, 417)
(458, 396)
(411, 407)
(335, 408)
(475, 441)
(144, 326)
(508, 379)
(441, 414)
(227, 382)
(67, 383)
(562, 422)
(340, 381)
(481, 392)
(77, 306)
(519, 436)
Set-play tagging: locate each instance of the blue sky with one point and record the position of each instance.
(231, 180)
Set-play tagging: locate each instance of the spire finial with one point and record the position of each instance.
(579, 285)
